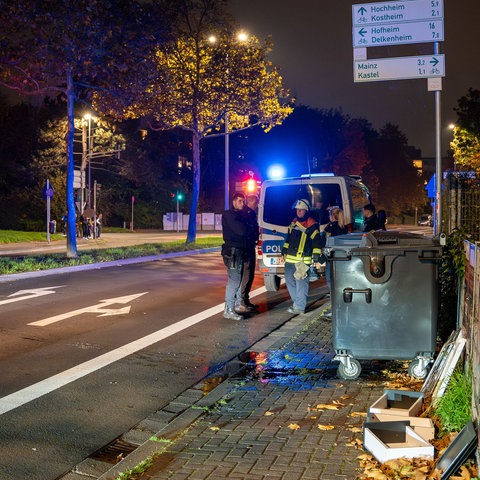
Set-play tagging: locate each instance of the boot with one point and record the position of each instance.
(242, 308)
(230, 314)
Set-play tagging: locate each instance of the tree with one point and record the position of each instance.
(400, 187)
(206, 82)
(466, 134)
(466, 149)
(59, 47)
(468, 111)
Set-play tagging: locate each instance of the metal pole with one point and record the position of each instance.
(48, 211)
(227, 164)
(438, 227)
(178, 216)
(82, 167)
(89, 161)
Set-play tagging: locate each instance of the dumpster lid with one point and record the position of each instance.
(380, 238)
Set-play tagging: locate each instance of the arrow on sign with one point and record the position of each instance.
(28, 294)
(99, 308)
(434, 61)
(362, 32)
(362, 10)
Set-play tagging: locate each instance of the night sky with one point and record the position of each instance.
(313, 49)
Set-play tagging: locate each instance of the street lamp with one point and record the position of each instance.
(241, 37)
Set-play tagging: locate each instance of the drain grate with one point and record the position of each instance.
(114, 451)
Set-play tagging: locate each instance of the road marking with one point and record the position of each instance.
(37, 390)
(28, 294)
(99, 308)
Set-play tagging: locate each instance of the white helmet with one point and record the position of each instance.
(302, 204)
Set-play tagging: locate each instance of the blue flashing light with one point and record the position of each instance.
(275, 172)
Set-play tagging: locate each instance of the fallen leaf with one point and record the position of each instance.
(325, 427)
(336, 402)
(294, 426)
(358, 414)
(214, 428)
(324, 406)
(267, 414)
(355, 429)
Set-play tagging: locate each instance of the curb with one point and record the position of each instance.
(170, 423)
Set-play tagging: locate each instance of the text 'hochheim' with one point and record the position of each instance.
(375, 10)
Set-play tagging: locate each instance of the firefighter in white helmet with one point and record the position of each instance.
(302, 247)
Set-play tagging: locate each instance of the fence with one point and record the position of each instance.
(461, 203)
(469, 321)
(461, 207)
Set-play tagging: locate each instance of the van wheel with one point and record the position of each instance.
(272, 282)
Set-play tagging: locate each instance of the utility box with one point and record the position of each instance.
(385, 296)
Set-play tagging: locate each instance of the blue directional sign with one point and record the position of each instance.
(47, 192)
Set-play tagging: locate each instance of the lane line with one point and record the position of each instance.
(28, 394)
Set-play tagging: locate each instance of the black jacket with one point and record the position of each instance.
(234, 229)
(371, 223)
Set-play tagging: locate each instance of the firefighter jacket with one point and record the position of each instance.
(303, 242)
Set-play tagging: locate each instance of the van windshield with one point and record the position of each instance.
(279, 200)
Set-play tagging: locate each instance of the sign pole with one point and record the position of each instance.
(131, 224)
(48, 210)
(437, 229)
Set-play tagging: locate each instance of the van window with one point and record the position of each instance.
(279, 200)
(359, 198)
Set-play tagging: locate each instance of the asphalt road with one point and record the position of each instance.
(87, 355)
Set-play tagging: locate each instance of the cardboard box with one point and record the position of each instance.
(391, 440)
(423, 426)
(403, 403)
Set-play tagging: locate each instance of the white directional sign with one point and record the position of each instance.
(399, 68)
(398, 33)
(396, 12)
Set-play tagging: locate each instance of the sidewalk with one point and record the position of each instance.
(283, 416)
(107, 240)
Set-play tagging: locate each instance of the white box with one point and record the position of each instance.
(391, 440)
(398, 402)
(423, 426)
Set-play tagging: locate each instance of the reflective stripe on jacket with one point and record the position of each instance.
(303, 242)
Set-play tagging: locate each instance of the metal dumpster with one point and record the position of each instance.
(384, 295)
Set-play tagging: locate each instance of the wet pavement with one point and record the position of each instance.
(277, 412)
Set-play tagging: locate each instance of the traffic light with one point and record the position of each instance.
(251, 186)
(179, 196)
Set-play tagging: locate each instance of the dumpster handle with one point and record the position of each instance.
(348, 294)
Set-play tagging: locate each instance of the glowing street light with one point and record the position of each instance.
(241, 37)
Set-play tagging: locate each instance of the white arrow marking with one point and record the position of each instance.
(27, 294)
(99, 308)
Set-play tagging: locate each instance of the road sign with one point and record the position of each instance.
(423, 66)
(47, 192)
(398, 33)
(396, 12)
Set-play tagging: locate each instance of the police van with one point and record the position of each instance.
(275, 213)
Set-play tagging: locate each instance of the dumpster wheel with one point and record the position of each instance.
(418, 368)
(349, 368)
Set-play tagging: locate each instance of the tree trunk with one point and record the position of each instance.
(70, 201)
(192, 222)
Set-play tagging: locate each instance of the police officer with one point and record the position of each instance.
(234, 228)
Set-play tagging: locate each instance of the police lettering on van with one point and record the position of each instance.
(275, 213)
